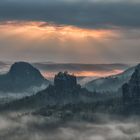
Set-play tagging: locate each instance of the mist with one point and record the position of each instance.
(21, 126)
(6, 97)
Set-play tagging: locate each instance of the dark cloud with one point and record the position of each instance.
(87, 14)
(80, 67)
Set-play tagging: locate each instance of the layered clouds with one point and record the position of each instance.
(92, 31)
(89, 14)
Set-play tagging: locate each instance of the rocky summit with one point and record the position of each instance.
(65, 89)
(64, 81)
(20, 77)
(25, 71)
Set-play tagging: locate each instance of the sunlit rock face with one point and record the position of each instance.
(131, 90)
(64, 81)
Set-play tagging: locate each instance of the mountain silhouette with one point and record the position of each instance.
(20, 77)
(131, 90)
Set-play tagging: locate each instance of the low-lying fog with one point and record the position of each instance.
(28, 127)
(7, 97)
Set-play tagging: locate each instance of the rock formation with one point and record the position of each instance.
(64, 81)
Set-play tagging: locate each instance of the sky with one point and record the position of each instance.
(70, 31)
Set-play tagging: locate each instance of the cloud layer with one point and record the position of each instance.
(43, 41)
(88, 14)
(15, 127)
(92, 31)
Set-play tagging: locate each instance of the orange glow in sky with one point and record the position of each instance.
(44, 30)
(86, 73)
(97, 73)
(45, 41)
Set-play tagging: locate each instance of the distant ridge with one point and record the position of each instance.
(110, 83)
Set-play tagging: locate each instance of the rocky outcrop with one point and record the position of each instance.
(131, 90)
(64, 81)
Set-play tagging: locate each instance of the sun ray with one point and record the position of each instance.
(42, 30)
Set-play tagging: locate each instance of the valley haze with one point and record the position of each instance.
(67, 109)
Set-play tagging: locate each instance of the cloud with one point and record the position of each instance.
(15, 126)
(94, 31)
(89, 14)
(32, 42)
(81, 70)
(43, 41)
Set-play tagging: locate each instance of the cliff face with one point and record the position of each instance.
(64, 81)
(131, 90)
